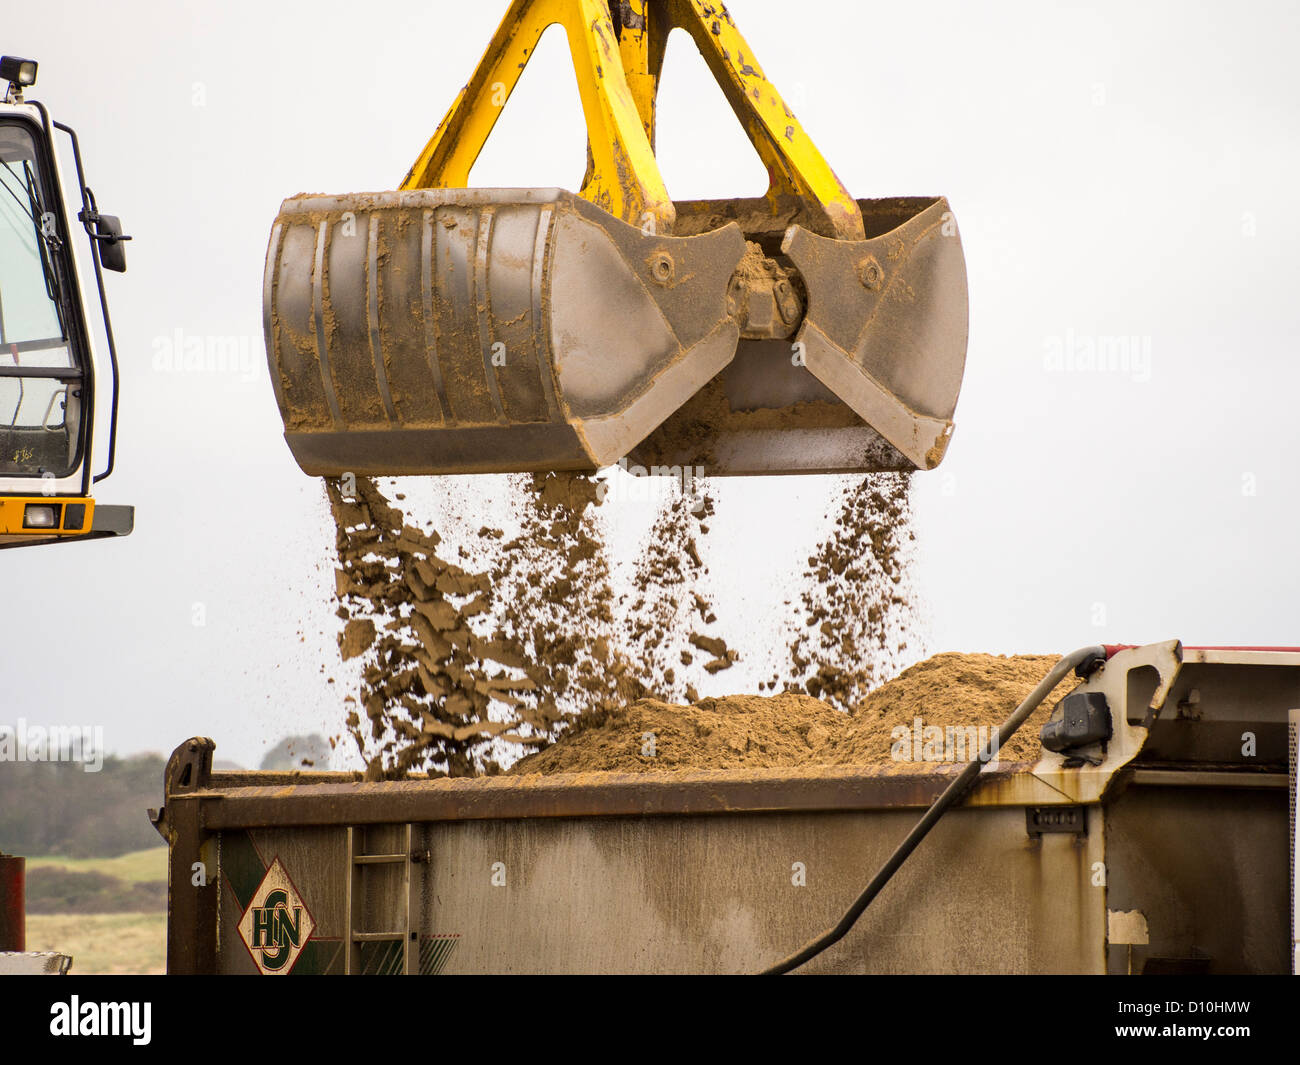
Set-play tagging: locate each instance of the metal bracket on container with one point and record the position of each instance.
(1070, 820)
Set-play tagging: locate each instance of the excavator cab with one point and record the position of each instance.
(47, 356)
(439, 329)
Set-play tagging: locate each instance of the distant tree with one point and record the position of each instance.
(57, 808)
(298, 752)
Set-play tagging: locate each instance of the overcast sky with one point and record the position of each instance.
(1117, 170)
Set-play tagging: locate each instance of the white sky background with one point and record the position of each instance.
(1116, 170)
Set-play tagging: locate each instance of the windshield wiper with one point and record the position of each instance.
(48, 239)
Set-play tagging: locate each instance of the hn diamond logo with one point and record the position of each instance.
(276, 925)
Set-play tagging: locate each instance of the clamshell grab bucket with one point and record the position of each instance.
(440, 329)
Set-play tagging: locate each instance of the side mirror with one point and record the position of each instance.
(112, 246)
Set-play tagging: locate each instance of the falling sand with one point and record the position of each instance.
(466, 669)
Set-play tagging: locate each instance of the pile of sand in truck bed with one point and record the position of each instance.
(734, 732)
(951, 690)
(792, 730)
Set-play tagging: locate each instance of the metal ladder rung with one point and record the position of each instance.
(378, 937)
(378, 859)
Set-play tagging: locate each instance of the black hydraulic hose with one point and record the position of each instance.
(952, 794)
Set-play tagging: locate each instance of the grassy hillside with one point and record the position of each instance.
(103, 943)
(142, 865)
(110, 914)
(129, 883)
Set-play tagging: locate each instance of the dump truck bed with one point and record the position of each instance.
(1144, 863)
